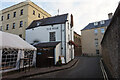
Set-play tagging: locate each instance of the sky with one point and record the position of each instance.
(84, 11)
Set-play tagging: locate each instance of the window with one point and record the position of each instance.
(102, 30)
(7, 26)
(1, 28)
(43, 17)
(97, 51)
(33, 12)
(2, 18)
(20, 35)
(13, 25)
(102, 22)
(95, 23)
(95, 31)
(21, 12)
(39, 15)
(96, 42)
(8, 16)
(14, 14)
(52, 36)
(21, 23)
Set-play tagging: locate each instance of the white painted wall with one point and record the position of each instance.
(57, 52)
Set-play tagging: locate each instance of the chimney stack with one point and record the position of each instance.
(110, 15)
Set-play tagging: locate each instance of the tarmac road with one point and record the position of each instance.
(87, 67)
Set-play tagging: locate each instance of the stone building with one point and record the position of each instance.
(111, 45)
(15, 19)
(92, 35)
(78, 48)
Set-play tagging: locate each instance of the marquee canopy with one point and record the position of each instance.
(8, 40)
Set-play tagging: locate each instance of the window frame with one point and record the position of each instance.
(21, 12)
(13, 27)
(7, 27)
(14, 14)
(8, 16)
(95, 31)
(38, 15)
(33, 12)
(21, 25)
(2, 18)
(52, 36)
(102, 30)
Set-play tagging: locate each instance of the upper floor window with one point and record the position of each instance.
(102, 30)
(33, 12)
(39, 15)
(14, 14)
(7, 26)
(8, 16)
(21, 23)
(95, 31)
(102, 22)
(96, 42)
(52, 36)
(21, 12)
(13, 26)
(95, 23)
(1, 18)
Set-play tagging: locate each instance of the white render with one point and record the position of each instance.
(41, 34)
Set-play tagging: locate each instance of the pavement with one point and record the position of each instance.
(38, 71)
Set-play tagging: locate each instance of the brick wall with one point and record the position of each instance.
(111, 45)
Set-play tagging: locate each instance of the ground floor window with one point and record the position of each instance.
(97, 51)
(9, 58)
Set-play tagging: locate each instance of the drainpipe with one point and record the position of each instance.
(61, 40)
(65, 40)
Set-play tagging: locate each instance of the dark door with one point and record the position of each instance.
(45, 57)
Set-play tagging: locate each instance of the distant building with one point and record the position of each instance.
(53, 30)
(78, 47)
(111, 46)
(92, 35)
(17, 18)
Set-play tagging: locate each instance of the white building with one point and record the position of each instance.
(51, 30)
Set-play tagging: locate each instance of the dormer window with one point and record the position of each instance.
(102, 22)
(38, 23)
(95, 23)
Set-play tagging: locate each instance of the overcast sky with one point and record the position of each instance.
(84, 11)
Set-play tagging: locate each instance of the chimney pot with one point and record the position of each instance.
(110, 15)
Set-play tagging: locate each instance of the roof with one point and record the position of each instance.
(47, 44)
(49, 21)
(91, 25)
(8, 40)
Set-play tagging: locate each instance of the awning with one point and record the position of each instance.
(72, 43)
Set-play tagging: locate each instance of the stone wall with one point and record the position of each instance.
(77, 40)
(111, 45)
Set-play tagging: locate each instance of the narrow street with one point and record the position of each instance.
(87, 67)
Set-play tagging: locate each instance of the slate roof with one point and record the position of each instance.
(91, 25)
(47, 44)
(49, 21)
